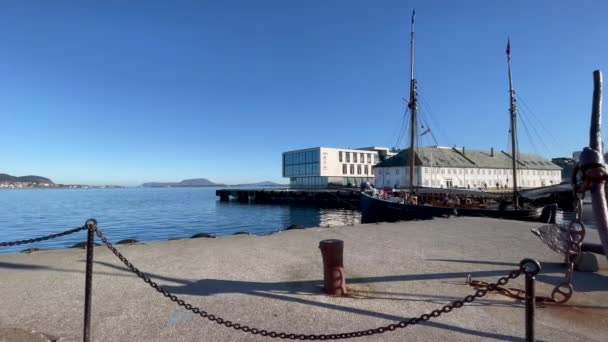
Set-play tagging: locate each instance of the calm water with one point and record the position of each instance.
(146, 214)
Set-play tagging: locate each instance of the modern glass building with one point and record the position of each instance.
(328, 167)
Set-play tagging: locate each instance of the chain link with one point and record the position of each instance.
(482, 291)
(576, 233)
(42, 238)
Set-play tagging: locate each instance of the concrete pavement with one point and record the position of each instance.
(395, 270)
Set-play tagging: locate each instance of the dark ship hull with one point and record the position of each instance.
(379, 210)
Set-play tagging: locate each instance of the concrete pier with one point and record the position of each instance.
(335, 198)
(395, 271)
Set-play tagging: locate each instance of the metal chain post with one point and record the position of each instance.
(530, 268)
(91, 226)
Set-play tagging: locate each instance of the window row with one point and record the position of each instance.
(301, 157)
(361, 169)
(301, 169)
(357, 157)
(449, 183)
(460, 171)
(308, 182)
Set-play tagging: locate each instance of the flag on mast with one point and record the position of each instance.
(508, 52)
(428, 130)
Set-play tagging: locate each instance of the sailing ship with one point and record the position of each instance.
(381, 208)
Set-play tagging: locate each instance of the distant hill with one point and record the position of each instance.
(197, 182)
(266, 183)
(31, 179)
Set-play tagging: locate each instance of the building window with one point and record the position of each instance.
(340, 156)
(362, 156)
(358, 169)
(426, 170)
(396, 171)
(466, 171)
(343, 169)
(372, 171)
(366, 169)
(352, 169)
(375, 159)
(348, 157)
(354, 157)
(369, 158)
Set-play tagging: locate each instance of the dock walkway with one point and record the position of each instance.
(395, 271)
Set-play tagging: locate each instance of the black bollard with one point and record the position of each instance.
(91, 225)
(530, 267)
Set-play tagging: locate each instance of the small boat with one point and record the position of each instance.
(375, 209)
(414, 205)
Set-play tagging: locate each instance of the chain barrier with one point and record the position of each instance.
(42, 238)
(574, 234)
(480, 292)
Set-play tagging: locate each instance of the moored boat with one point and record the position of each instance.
(414, 204)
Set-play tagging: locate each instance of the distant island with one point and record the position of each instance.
(202, 182)
(33, 182)
(6, 178)
(196, 182)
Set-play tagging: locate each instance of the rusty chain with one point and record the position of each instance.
(481, 292)
(42, 238)
(576, 234)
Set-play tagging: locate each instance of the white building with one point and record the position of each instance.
(447, 167)
(323, 167)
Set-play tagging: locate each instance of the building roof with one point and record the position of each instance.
(452, 157)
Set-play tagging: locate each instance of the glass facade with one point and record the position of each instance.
(301, 163)
(308, 182)
(328, 167)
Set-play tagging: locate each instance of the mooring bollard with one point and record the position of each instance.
(91, 225)
(530, 268)
(334, 278)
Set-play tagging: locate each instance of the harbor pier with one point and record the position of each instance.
(335, 198)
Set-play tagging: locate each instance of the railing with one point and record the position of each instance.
(528, 267)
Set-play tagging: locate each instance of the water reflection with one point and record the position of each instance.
(322, 217)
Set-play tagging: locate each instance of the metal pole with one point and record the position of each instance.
(513, 118)
(598, 192)
(530, 268)
(88, 282)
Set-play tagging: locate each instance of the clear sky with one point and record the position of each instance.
(123, 92)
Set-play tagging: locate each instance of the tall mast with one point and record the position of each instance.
(514, 153)
(413, 109)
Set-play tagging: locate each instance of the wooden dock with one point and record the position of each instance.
(334, 198)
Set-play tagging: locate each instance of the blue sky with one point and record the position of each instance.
(120, 92)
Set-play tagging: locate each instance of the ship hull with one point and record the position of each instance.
(378, 210)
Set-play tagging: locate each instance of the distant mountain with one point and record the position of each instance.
(197, 182)
(30, 179)
(261, 184)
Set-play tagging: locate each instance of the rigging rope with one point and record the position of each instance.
(426, 106)
(521, 100)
